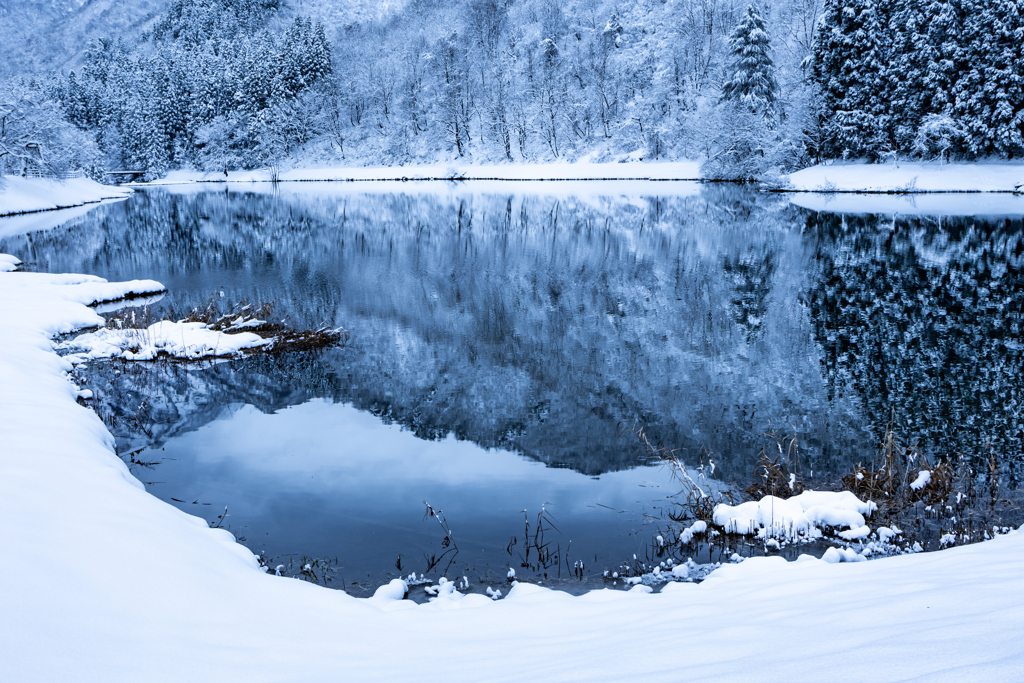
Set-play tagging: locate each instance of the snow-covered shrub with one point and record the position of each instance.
(937, 135)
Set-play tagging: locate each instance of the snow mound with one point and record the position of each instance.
(837, 555)
(8, 263)
(179, 340)
(797, 517)
(687, 534)
(395, 590)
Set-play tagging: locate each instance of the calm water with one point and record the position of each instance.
(504, 346)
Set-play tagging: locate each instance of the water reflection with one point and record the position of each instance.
(325, 479)
(492, 326)
(920, 319)
(543, 324)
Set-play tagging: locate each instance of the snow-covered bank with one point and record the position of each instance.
(932, 204)
(26, 195)
(634, 170)
(103, 582)
(907, 177)
(910, 177)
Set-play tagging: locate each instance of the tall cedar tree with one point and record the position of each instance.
(752, 81)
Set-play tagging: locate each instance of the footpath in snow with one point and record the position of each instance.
(104, 582)
(26, 195)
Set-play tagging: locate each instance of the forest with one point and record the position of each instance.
(752, 90)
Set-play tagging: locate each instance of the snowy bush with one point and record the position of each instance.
(937, 135)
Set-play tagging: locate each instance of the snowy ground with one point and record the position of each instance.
(932, 204)
(103, 582)
(906, 177)
(25, 195)
(910, 177)
(635, 170)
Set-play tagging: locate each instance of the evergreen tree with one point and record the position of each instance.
(850, 66)
(989, 93)
(752, 72)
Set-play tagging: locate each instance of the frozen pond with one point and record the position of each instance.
(506, 341)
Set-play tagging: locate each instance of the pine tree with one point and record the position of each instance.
(752, 81)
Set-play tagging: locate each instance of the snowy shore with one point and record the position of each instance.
(27, 195)
(907, 177)
(910, 177)
(634, 170)
(104, 582)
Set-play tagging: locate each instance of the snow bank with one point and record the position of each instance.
(177, 339)
(634, 170)
(103, 582)
(949, 204)
(25, 195)
(910, 177)
(797, 517)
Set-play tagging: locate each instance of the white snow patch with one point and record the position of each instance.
(835, 555)
(395, 590)
(799, 516)
(687, 534)
(8, 263)
(634, 170)
(177, 339)
(25, 195)
(1006, 176)
(948, 204)
(923, 477)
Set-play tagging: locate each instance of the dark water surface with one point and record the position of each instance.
(504, 345)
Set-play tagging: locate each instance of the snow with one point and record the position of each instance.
(8, 263)
(687, 534)
(176, 339)
(946, 204)
(103, 582)
(25, 195)
(923, 477)
(799, 516)
(1004, 176)
(835, 555)
(631, 170)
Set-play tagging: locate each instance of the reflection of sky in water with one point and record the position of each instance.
(326, 479)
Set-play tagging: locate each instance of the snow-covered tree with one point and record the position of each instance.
(751, 72)
(850, 65)
(35, 136)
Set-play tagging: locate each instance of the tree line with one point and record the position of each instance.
(754, 90)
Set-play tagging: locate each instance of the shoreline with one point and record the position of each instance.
(23, 196)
